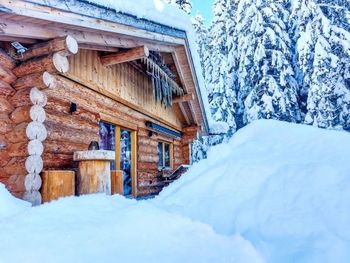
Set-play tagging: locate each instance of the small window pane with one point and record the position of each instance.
(167, 155)
(125, 160)
(107, 138)
(160, 155)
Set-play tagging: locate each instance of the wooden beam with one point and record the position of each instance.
(118, 121)
(66, 45)
(32, 10)
(99, 48)
(125, 56)
(184, 98)
(55, 63)
(183, 111)
(90, 38)
(17, 39)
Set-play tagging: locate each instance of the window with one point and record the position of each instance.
(164, 155)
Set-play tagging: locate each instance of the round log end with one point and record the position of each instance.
(72, 45)
(34, 197)
(36, 130)
(49, 80)
(35, 147)
(32, 182)
(61, 63)
(34, 164)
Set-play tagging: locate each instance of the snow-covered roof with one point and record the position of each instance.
(151, 15)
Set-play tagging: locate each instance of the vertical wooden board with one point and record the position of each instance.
(134, 162)
(122, 80)
(117, 182)
(56, 184)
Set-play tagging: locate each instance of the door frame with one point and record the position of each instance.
(122, 124)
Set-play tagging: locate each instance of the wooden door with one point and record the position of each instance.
(123, 142)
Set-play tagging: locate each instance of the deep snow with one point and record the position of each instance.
(276, 192)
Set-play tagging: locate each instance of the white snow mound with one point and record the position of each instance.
(283, 187)
(100, 228)
(276, 192)
(10, 205)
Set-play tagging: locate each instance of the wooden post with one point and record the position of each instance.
(94, 171)
(125, 56)
(117, 182)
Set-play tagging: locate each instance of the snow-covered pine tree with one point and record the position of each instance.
(202, 38)
(267, 87)
(222, 96)
(299, 15)
(328, 39)
(184, 5)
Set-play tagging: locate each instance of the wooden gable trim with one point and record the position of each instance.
(87, 8)
(17, 30)
(201, 110)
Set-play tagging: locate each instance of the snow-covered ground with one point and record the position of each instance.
(277, 192)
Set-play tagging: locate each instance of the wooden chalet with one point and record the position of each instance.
(73, 73)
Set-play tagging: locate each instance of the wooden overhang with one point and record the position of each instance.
(100, 28)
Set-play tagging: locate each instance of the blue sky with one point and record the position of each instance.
(205, 7)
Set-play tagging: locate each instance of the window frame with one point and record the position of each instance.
(120, 124)
(171, 155)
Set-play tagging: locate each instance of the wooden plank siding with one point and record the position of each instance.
(122, 80)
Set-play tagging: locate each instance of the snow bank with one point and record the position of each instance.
(162, 13)
(276, 192)
(99, 228)
(9, 205)
(284, 187)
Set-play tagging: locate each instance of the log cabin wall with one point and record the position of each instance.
(22, 112)
(38, 131)
(12, 130)
(123, 94)
(68, 132)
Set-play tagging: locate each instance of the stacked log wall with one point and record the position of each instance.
(10, 170)
(22, 113)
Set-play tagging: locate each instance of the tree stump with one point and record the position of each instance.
(94, 174)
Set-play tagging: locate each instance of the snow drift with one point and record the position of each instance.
(9, 205)
(99, 228)
(284, 187)
(276, 192)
